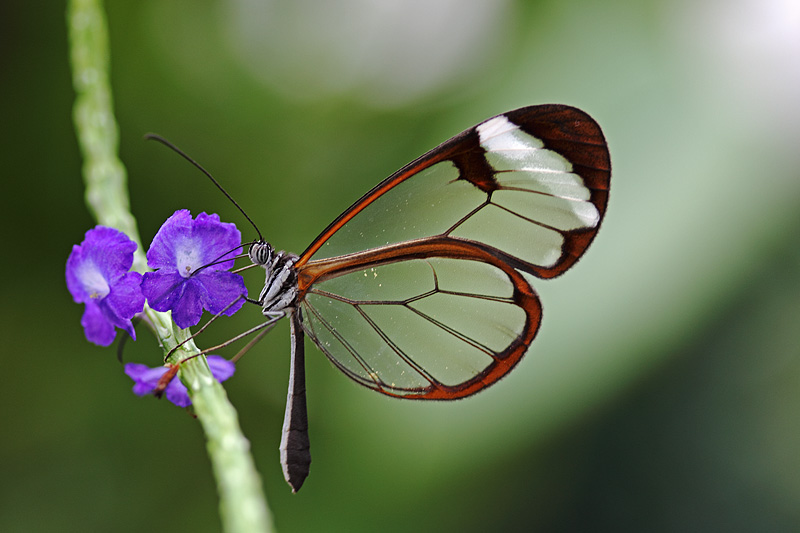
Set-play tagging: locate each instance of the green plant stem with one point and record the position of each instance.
(243, 506)
(98, 135)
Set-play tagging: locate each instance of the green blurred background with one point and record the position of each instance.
(662, 393)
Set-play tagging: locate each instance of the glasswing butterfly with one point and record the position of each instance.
(419, 289)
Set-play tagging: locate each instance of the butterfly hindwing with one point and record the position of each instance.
(430, 320)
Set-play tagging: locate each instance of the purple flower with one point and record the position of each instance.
(147, 379)
(97, 275)
(178, 250)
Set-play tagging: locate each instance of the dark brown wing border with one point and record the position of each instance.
(563, 129)
(523, 296)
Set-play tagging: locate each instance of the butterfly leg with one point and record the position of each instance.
(271, 320)
(202, 328)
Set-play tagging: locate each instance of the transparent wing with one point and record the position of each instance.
(525, 191)
(422, 321)
(532, 184)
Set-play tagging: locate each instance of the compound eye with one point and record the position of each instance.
(260, 253)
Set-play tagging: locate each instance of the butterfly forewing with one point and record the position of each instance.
(415, 290)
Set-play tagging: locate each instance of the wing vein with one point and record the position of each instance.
(400, 353)
(367, 368)
(457, 334)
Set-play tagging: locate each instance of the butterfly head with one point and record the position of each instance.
(261, 253)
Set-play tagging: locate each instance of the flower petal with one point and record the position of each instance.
(180, 248)
(126, 298)
(221, 289)
(115, 320)
(96, 326)
(187, 310)
(110, 249)
(218, 238)
(162, 289)
(161, 253)
(104, 256)
(97, 275)
(220, 367)
(146, 378)
(182, 242)
(177, 393)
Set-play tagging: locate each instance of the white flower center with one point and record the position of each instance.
(187, 258)
(93, 281)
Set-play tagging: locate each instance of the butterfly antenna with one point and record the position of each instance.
(162, 140)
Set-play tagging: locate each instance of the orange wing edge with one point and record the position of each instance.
(503, 362)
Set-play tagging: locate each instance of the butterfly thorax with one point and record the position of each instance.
(280, 286)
